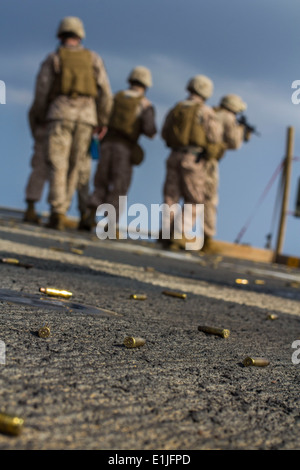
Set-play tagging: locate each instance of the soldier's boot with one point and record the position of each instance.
(207, 245)
(88, 220)
(69, 223)
(30, 214)
(56, 221)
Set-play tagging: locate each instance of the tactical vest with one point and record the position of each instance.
(185, 128)
(76, 76)
(123, 120)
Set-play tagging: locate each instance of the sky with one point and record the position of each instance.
(249, 48)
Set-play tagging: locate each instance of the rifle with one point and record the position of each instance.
(248, 127)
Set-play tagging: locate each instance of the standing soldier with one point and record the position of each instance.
(73, 95)
(39, 175)
(234, 133)
(132, 115)
(194, 134)
(233, 136)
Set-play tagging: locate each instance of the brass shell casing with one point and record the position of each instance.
(10, 261)
(55, 292)
(11, 424)
(44, 332)
(174, 294)
(132, 342)
(224, 333)
(138, 297)
(256, 361)
(242, 281)
(272, 316)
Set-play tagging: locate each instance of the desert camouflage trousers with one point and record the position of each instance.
(40, 170)
(195, 183)
(40, 173)
(113, 175)
(70, 164)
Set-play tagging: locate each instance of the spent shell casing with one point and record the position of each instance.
(138, 297)
(10, 261)
(259, 282)
(77, 251)
(55, 292)
(256, 361)
(224, 333)
(242, 281)
(11, 424)
(272, 316)
(134, 342)
(174, 294)
(44, 332)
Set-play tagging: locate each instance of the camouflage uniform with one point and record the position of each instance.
(194, 181)
(40, 170)
(113, 175)
(71, 120)
(40, 174)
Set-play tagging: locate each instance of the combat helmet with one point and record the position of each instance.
(142, 75)
(233, 103)
(201, 85)
(71, 24)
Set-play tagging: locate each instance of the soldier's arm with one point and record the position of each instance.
(104, 100)
(148, 126)
(233, 133)
(43, 87)
(165, 126)
(214, 128)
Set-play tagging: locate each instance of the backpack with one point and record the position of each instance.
(184, 128)
(124, 114)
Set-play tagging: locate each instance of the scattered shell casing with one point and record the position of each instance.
(76, 251)
(272, 316)
(256, 361)
(44, 332)
(260, 282)
(242, 281)
(55, 292)
(134, 342)
(174, 294)
(138, 296)
(11, 424)
(296, 285)
(10, 261)
(224, 333)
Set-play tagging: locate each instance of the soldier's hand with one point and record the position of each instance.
(101, 132)
(146, 103)
(247, 135)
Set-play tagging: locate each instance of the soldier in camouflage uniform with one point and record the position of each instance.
(194, 134)
(132, 115)
(233, 133)
(73, 95)
(233, 136)
(40, 173)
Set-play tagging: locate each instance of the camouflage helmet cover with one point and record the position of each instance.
(201, 85)
(233, 103)
(141, 74)
(71, 24)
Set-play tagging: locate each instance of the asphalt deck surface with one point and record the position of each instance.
(81, 388)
